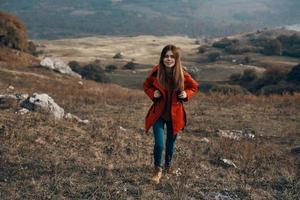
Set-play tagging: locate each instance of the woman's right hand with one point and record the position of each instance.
(157, 94)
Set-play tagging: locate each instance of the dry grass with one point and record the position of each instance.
(43, 158)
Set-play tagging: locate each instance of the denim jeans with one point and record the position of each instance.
(158, 130)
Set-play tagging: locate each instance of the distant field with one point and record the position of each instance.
(145, 52)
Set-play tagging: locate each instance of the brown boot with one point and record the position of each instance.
(170, 169)
(157, 174)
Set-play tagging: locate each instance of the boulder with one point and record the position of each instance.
(236, 134)
(58, 66)
(43, 102)
(76, 118)
(118, 55)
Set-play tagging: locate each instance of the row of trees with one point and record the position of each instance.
(273, 80)
(285, 45)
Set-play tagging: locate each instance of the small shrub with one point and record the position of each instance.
(294, 74)
(225, 42)
(238, 49)
(290, 45)
(272, 47)
(280, 89)
(247, 59)
(129, 65)
(249, 75)
(273, 76)
(111, 68)
(202, 49)
(32, 49)
(228, 89)
(213, 56)
(206, 87)
(93, 72)
(75, 66)
(235, 78)
(13, 33)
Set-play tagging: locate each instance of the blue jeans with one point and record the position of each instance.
(158, 130)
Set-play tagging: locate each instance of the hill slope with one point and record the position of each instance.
(46, 158)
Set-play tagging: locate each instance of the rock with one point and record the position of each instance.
(80, 82)
(44, 102)
(11, 87)
(236, 134)
(204, 140)
(76, 118)
(228, 162)
(122, 129)
(223, 195)
(22, 97)
(23, 111)
(40, 141)
(58, 66)
(118, 55)
(223, 162)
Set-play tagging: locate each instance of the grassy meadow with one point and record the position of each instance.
(111, 157)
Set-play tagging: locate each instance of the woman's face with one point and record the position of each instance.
(169, 59)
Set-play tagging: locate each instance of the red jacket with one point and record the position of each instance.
(178, 114)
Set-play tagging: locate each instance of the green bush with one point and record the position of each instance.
(294, 74)
(228, 89)
(249, 75)
(273, 76)
(202, 49)
(225, 42)
(206, 87)
(239, 49)
(94, 72)
(75, 66)
(213, 56)
(235, 78)
(12, 32)
(271, 47)
(290, 45)
(280, 89)
(130, 65)
(111, 68)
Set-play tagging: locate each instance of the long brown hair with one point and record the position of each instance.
(178, 76)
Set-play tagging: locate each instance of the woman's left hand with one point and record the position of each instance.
(182, 95)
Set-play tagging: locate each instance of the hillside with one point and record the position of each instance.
(110, 157)
(60, 19)
(245, 51)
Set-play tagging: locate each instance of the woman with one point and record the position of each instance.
(167, 85)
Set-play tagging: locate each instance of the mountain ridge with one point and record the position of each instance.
(60, 19)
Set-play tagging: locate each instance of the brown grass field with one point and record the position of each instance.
(44, 158)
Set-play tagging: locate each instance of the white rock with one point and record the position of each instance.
(44, 102)
(58, 65)
(71, 116)
(11, 87)
(23, 111)
(204, 140)
(40, 141)
(236, 134)
(228, 162)
(80, 82)
(122, 129)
